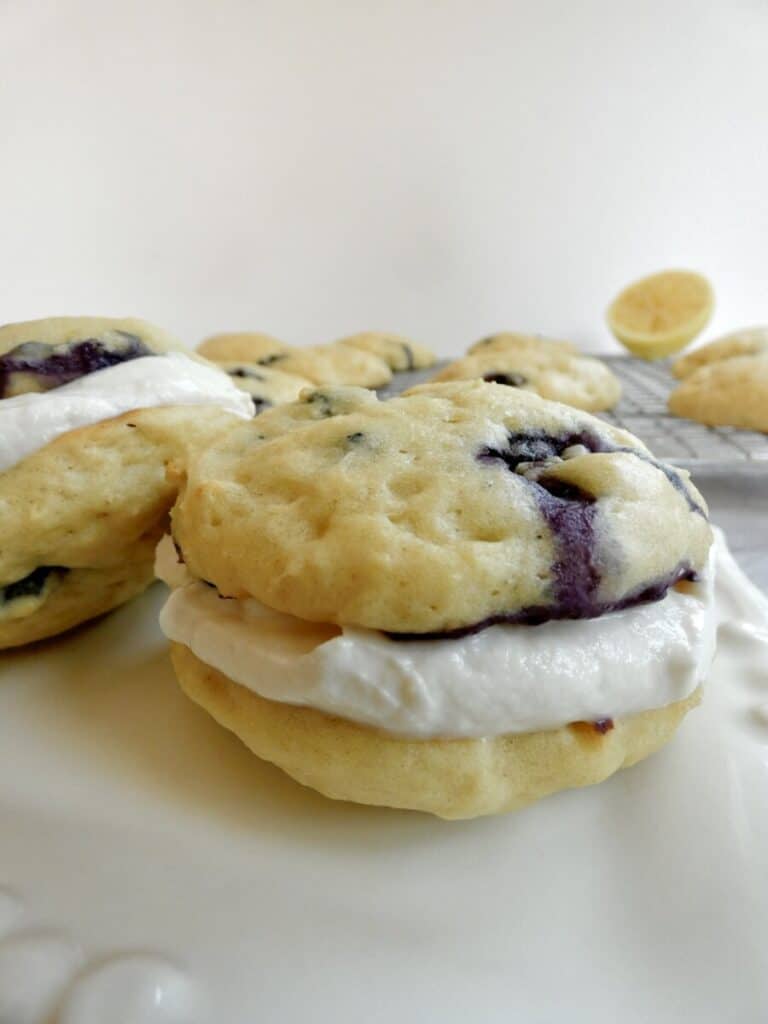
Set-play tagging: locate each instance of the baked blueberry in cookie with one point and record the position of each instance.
(92, 412)
(512, 380)
(266, 386)
(419, 602)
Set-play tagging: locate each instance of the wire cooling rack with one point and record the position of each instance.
(643, 411)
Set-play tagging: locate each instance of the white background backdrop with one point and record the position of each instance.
(441, 168)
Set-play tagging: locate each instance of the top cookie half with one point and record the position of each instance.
(438, 511)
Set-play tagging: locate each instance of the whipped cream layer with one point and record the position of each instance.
(29, 422)
(506, 679)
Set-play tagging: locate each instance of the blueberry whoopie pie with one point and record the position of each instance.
(458, 601)
(91, 412)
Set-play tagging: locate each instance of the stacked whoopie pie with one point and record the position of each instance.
(92, 411)
(458, 600)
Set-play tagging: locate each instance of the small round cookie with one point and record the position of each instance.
(246, 346)
(728, 393)
(507, 340)
(400, 354)
(450, 778)
(335, 365)
(83, 490)
(580, 381)
(750, 341)
(265, 385)
(438, 512)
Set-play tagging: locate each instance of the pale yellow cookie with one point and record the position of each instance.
(751, 341)
(506, 340)
(247, 346)
(728, 393)
(400, 354)
(449, 778)
(335, 365)
(95, 502)
(437, 510)
(266, 385)
(580, 381)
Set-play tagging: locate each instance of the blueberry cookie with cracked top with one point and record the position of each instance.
(581, 381)
(749, 341)
(730, 392)
(245, 346)
(92, 411)
(400, 354)
(266, 385)
(457, 601)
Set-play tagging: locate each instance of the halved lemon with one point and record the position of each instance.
(659, 315)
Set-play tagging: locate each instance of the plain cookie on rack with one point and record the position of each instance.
(580, 381)
(505, 341)
(731, 392)
(400, 354)
(336, 365)
(245, 346)
(750, 341)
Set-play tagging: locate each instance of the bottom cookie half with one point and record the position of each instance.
(80, 595)
(449, 778)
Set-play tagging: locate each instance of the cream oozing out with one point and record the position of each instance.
(28, 422)
(506, 679)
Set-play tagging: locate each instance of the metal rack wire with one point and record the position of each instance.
(643, 411)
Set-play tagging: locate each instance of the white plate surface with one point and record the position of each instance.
(152, 870)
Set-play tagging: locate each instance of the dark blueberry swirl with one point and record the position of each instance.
(46, 367)
(569, 512)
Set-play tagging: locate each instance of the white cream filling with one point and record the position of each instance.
(31, 421)
(505, 679)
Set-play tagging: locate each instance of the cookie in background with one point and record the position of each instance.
(248, 346)
(400, 354)
(730, 392)
(515, 341)
(580, 381)
(92, 411)
(748, 341)
(334, 364)
(266, 385)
